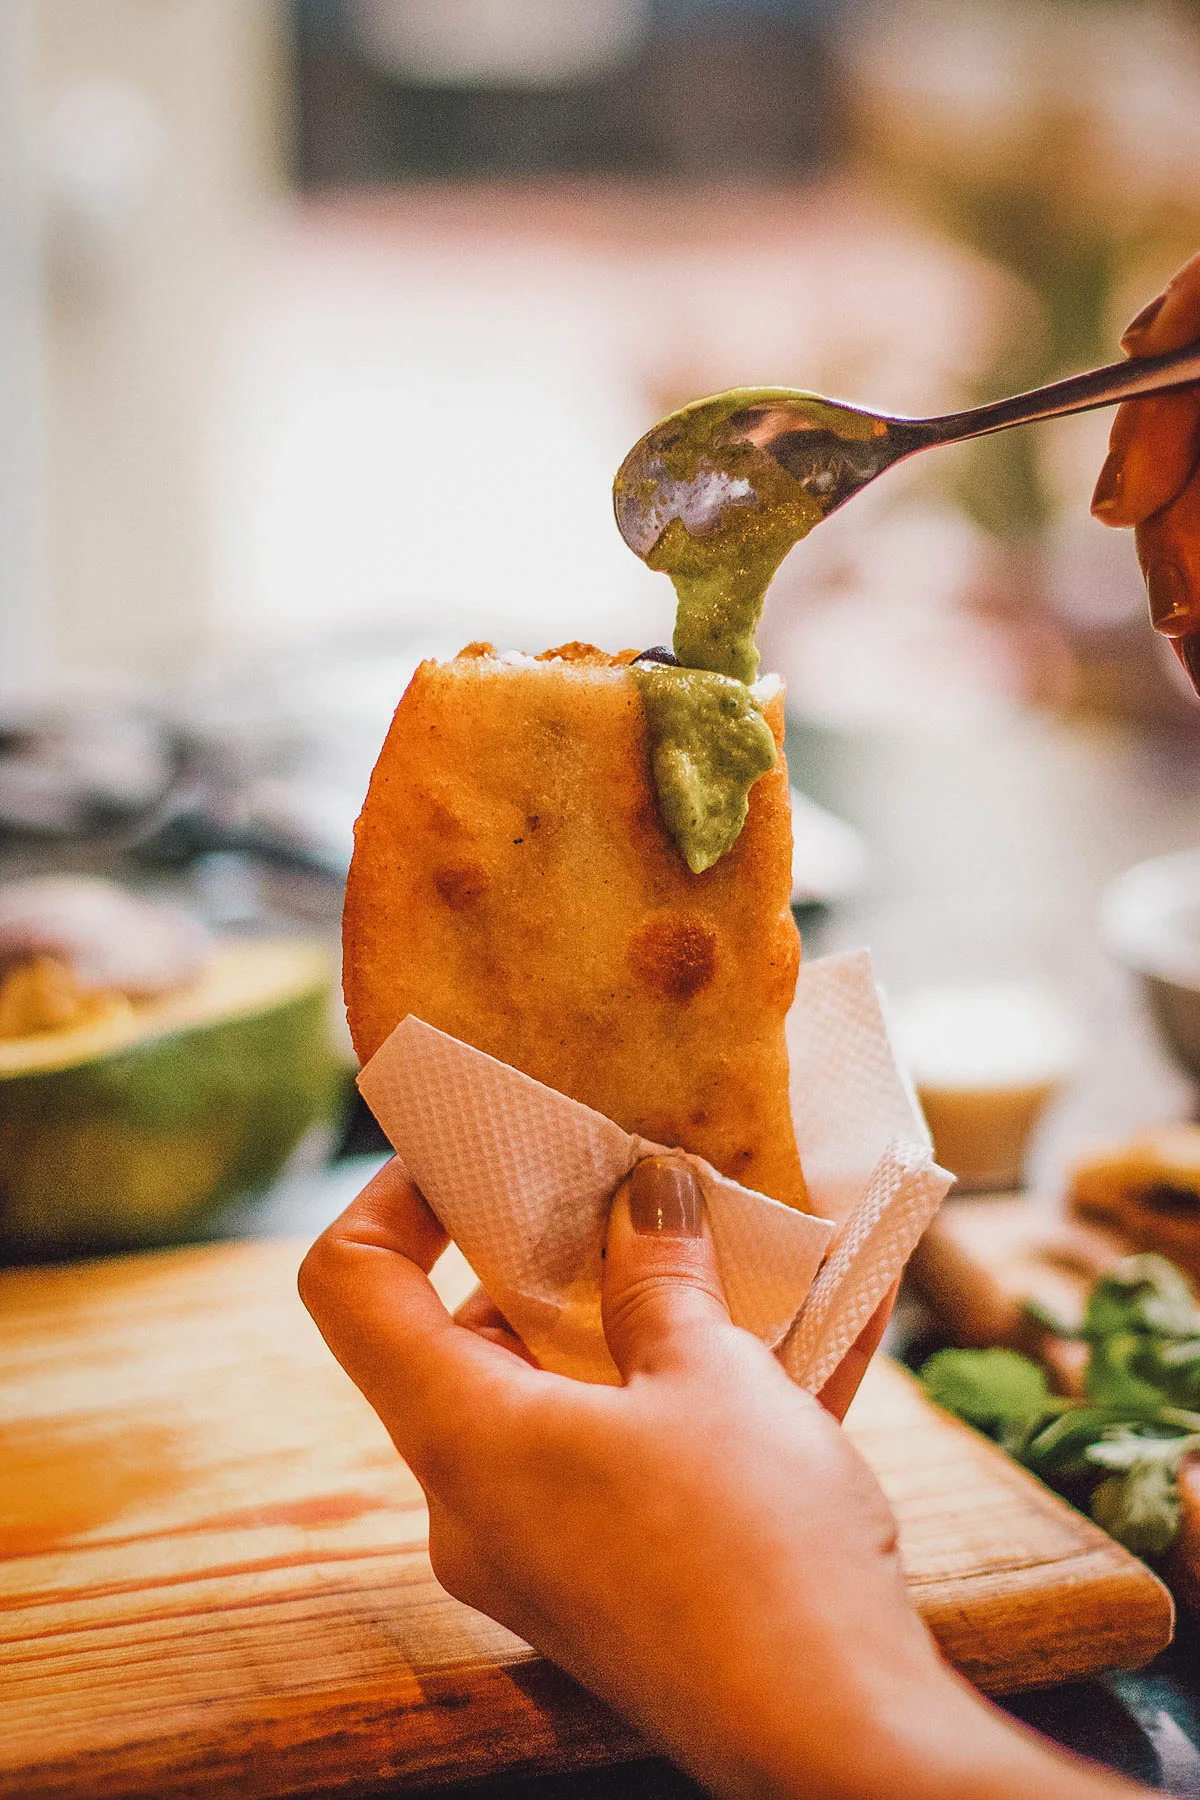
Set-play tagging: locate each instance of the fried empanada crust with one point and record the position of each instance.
(513, 884)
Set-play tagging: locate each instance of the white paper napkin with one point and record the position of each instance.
(522, 1178)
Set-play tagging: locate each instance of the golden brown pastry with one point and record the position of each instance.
(1149, 1189)
(513, 884)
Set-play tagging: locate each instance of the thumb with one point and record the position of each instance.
(662, 1294)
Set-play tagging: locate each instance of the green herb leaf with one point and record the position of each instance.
(1111, 1378)
(1144, 1295)
(1172, 1365)
(991, 1389)
(1123, 1448)
(1059, 1451)
(1141, 1507)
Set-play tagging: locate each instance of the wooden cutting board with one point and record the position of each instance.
(216, 1581)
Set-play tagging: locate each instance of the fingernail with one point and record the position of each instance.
(1171, 606)
(1187, 649)
(1140, 324)
(1108, 484)
(665, 1199)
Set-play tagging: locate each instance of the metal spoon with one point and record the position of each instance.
(787, 458)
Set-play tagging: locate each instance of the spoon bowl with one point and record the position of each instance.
(798, 450)
(792, 457)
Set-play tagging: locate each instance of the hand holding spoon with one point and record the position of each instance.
(715, 495)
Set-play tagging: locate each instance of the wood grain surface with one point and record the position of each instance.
(215, 1579)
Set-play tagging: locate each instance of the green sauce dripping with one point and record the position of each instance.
(718, 514)
(709, 743)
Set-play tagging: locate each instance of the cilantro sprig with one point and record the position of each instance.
(1117, 1450)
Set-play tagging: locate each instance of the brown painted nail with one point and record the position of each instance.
(1171, 607)
(665, 1198)
(1141, 322)
(1109, 483)
(1187, 649)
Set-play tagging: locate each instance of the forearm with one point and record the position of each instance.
(964, 1748)
(841, 1695)
(937, 1740)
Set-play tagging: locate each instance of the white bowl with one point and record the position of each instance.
(1150, 921)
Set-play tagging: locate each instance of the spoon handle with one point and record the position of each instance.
(1078, 393)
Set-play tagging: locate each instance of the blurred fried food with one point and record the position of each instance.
(107, 937)
(44, 995)
(1148, 1189)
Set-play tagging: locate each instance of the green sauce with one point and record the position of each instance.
(699, 500)
(709, 745)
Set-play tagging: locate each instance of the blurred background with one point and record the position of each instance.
(290, 292)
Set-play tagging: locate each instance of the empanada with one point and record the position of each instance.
(514, 885)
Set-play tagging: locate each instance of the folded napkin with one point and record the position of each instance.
(522, 1178)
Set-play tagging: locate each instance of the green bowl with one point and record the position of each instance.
(139, 1129)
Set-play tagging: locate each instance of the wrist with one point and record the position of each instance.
(958, 1746)
(929, 1738)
